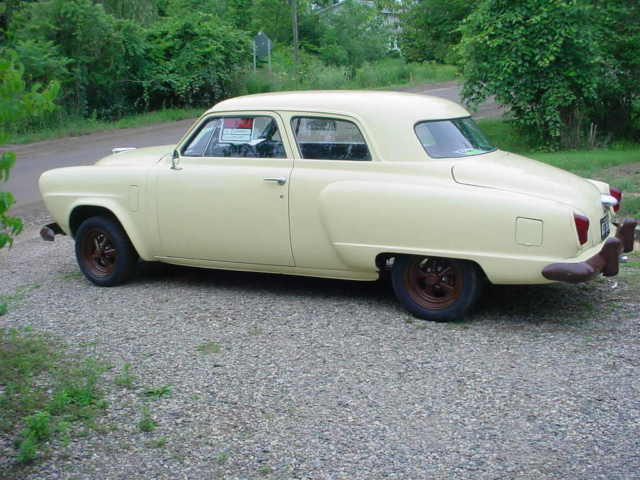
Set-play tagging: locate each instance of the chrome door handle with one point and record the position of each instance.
(279, 180)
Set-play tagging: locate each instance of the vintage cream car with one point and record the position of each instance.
(341, 185)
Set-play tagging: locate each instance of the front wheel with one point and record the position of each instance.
(104, 252)
(436, 289)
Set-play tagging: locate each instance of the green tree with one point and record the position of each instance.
(354, 34)
(17, 103)
(140, 11)
(541, 58)
(97, 55)
(193, 60)
(430, 30)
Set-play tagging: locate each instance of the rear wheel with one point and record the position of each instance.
(436, 289)
(104, 252)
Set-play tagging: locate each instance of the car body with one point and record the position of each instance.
(340, 184)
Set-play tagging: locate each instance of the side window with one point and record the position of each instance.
(237, 137)
(329, 139)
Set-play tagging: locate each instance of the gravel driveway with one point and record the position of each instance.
(321, 379)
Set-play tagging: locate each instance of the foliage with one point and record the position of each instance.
(354, 34)
(96, 56)
(193, 60)
(430, 30)
(141, 11)
(538, 57)
(618, 107)
(17, 105)
(568, 69)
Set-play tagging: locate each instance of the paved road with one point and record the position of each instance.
(35, 158)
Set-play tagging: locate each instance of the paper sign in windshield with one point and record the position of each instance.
(237, 130)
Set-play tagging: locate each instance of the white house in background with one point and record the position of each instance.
(391, 17)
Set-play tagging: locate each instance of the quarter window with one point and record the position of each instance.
(256, 136)
(329, 139)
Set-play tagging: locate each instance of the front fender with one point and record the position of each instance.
(65, 189)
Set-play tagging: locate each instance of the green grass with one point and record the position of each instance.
(46, 391)
(76, 126)
(209, 347)
(146, 423)
(20, 294)
(386, 73)
(158, 392)
(125, 379)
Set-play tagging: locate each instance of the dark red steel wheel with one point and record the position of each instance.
(433, 288)
(104, 252)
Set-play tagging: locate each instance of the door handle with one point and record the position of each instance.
(278, 180)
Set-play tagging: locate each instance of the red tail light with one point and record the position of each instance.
(582, 226)
(617, 194)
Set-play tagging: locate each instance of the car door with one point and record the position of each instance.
(227, 197)
(330, 150)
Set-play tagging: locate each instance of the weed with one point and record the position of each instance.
(209, 347)
(69, 276)
(125, 380)
(158, 443)
(146, 423)
(27, 450)
(222, 457)
(20, 294)
(158, 392)
(265, 470)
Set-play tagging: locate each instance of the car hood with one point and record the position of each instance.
(515, 173)
(139, 157)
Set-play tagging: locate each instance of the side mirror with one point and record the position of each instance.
(174, 160)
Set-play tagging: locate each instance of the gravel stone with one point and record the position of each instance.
(326, 379)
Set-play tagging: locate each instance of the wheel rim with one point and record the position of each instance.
(99, 253)
(434, 283)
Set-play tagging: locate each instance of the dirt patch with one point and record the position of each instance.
(623, 170)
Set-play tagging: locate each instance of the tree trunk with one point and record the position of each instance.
(294, 25)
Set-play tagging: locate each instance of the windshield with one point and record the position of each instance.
(452, 138)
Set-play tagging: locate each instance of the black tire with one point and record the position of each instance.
(436, 289)
(104, 252)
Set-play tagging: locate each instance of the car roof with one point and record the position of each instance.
(366, 104)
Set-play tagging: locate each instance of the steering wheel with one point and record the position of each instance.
(243, 150)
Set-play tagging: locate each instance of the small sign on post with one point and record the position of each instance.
(261, 49)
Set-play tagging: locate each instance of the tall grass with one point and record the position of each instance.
(385, 73)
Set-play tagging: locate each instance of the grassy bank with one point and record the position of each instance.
(618, 165)
(76, 126)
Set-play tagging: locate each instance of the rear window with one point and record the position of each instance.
(460, 137)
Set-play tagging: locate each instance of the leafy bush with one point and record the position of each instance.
(17, 106)
(193, 60)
